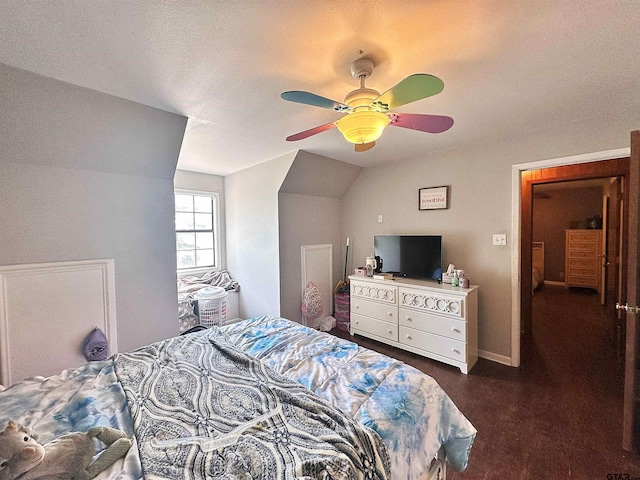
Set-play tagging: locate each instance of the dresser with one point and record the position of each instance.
(434, 320)
(583, 263)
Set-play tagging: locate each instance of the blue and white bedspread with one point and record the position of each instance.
(407, 408)
(74, 401)
(197, 407)
(204, 409)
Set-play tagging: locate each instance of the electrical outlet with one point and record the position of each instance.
(380, 218)
(499, 238)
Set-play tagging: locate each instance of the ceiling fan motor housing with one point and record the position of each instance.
(361, 97)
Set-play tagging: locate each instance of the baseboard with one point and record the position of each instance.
(551, 282)
(494, 357)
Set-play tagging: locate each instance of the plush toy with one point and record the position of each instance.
(67, 457)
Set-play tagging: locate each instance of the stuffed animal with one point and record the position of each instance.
(67, 457)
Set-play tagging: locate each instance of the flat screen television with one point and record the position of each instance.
(411, 256)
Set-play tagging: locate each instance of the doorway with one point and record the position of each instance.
(577, 234)
(618, 172)
(618, 167)
(521, 260)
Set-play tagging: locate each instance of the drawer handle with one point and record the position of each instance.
(409, 319)
(357, 306)
(390, 314)
(455, 350)
(409, 337)
(455, 330)
(357, 322)
(389, 331)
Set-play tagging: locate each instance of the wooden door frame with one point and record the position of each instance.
(631, 420)
(522, 282)
(618, 167)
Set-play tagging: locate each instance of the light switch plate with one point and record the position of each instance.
(499, 238)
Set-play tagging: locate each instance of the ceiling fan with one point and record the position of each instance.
(366, 112)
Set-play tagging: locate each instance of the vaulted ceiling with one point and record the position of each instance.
(507, 66)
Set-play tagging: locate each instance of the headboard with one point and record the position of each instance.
(537, 258)
(46, 311)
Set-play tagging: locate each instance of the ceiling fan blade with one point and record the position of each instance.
(412, 88)
(311, 131)
(423, 123)
(315, 100)
(363, 147)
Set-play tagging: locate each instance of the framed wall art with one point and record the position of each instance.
(433, 198)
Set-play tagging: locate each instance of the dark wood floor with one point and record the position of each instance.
(557, 416)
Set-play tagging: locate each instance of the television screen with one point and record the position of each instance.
(411, 256)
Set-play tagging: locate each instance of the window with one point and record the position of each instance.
(196, 230)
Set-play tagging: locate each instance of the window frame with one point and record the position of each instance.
(182, 272)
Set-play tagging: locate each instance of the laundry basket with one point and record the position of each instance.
(212, 306)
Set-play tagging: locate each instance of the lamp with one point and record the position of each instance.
(364, 126)
(365, 123)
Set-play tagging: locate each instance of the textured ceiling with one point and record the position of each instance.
(507, 66)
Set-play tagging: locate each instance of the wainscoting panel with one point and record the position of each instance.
(46, 311)
(317, 267)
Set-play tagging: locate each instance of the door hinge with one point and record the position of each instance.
(628, 308)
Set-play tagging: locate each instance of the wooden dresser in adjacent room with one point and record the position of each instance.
(582, 258)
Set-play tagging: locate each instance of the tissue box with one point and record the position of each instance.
(446, 277)
(361, 271)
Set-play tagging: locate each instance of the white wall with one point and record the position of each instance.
(310, 213)
(253, 235)
(306, 220)
(204, 182)
(479, 177)
(85, 175)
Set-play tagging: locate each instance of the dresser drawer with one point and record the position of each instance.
(380, 311)
(576, 254)
(374, 326)
(581, 281)
(583, 246)
(374, 291)
(431, 323)
(590, 263)
(582, 272)
(583, 236)
(434, 343)
(426, 301)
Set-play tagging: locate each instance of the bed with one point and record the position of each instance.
(262, 398)
(537, 265)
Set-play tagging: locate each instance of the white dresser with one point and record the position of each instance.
(434, 320)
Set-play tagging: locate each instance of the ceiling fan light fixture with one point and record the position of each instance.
(367, 112)
(363, 126)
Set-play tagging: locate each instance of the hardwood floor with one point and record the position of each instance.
(557, 416)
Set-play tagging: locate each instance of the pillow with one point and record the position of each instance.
(311, 302)
(95, 346)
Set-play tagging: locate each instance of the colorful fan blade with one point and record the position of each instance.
(363, 147)
(423, 123)
(308, 133)
(412, 88)
(315, 100)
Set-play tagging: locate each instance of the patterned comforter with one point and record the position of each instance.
(198, 407)
(203, 409)
(407, 408)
